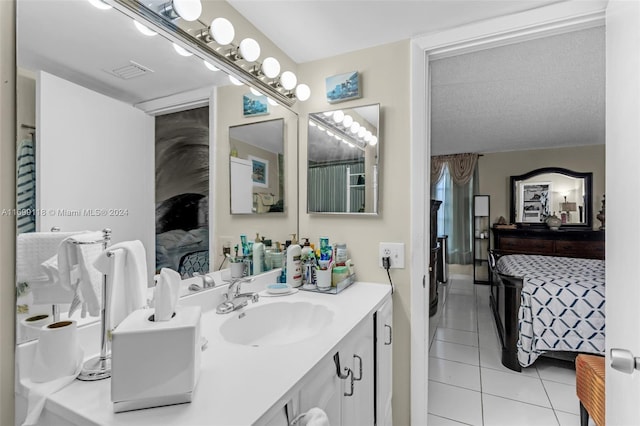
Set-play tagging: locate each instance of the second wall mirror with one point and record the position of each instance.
(342, 159)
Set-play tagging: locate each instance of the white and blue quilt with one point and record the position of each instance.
(562, 304)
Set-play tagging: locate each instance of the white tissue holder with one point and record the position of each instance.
(155, 363)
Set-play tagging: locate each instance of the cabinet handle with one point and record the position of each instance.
(350, 393)
(339, 373)
(390, 334)
(359, 368)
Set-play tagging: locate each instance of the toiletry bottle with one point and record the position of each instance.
(307, 264)
(341, 254)
(258, 256)
(294, 268)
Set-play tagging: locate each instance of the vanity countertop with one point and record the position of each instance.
(237, 384)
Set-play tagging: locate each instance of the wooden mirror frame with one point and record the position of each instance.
(588, 200)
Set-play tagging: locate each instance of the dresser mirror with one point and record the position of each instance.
(342, 160)
(552, 190)
(88, 101)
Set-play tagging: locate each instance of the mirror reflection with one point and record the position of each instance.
(257, 167)
(551, 191)
(343, 157)
(90, 105)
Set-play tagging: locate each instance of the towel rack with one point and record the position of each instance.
(99, 367)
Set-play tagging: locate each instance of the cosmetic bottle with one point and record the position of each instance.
(258, 257)
(294, 267)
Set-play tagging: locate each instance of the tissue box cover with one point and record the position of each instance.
(155, 363)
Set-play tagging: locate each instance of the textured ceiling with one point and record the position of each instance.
(542, 93)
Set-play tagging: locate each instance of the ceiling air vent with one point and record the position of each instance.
(132, 70)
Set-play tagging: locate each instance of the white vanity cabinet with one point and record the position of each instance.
(384, 363)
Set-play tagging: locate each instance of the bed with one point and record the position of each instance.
(547, 304)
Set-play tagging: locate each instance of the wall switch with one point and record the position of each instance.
(395, 252)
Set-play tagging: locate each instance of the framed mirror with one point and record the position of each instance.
(343, 155)
(552, 190)
(88, 101)
(257, 167)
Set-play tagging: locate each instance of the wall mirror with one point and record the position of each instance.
(551, 190)
(87, 103)
(343, 160)
(257, 172)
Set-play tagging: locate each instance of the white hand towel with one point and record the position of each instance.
(76, 271)
(166, 294)
(39, 392)
(126, 279)
(32, 249)
(314, 417)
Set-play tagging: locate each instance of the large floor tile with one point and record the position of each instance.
(454, 352)
(454, 373)
(556, 371)
(460, 337)
(505, 412)
(459, 322)
(563, 397)
(491, 356)
(518, 387)
(433, 420)
(454, 403)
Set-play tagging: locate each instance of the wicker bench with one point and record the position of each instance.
(590, 388)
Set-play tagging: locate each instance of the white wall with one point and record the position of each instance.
(94, 153)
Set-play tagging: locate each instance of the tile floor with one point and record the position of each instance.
(467, 383)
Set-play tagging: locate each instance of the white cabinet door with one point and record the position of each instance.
(322, 389)
(384, 363)
(241, 185)
(358, 390)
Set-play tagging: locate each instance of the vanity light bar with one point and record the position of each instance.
(138, 11)
(337, 133)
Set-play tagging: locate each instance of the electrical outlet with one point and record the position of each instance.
(225, 243)
(395, 252)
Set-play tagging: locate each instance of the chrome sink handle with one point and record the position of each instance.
(207, 280)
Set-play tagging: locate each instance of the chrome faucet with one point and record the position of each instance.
(235, 300)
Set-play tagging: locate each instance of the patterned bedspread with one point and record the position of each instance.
(562, 304)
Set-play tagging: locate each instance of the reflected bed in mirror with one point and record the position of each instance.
(552, 190)
(343, 159)
(257, 178)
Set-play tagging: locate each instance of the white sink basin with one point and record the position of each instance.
(276, 324)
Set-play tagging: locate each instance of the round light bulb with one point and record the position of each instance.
(100, 4)
(235, 81)
(272, 102)
(373, 141)
(337, 137)
(347, 121)
(254, 91)
(355, 126)
(338, 116)
(271, 67)
(181, 50)
(144, 30)
(329, 133)
(288, 80)
(321, 128)
(328, 113)
(303, 92)
(367, 136)
(361, 132)
(312, 123)
(189, 10)
(222, 31)
(249, 49)
(210, 66)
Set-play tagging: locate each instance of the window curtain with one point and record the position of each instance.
(457, 182)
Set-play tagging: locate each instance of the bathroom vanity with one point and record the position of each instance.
(306, 350)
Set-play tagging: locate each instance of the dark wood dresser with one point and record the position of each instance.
(584, 243)
(433, 259)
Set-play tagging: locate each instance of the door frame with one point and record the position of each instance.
(545, 21)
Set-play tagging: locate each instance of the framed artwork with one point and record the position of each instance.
(253, 105)
(342, 87)
(259, 171)
(534, 201)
